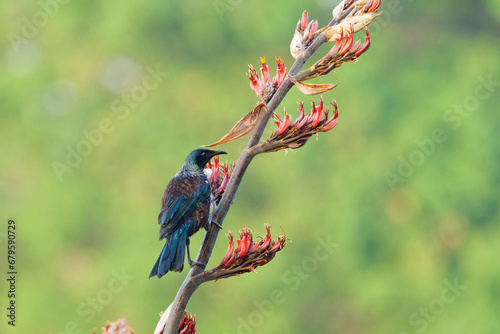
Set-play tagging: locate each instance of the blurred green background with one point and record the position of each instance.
(404, 190)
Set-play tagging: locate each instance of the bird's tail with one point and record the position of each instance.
(172, 255)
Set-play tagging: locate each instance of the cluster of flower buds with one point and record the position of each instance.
(295, 134)
(344, 50)
(263, 87)
(118, 327)
(187, 325)
(218, 176)
(350, 8)
(351, 16)
(248, 253)
(304, 34)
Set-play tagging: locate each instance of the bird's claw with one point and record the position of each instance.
(195, 263)
(211, 220)
(191, 262)
(216, 223)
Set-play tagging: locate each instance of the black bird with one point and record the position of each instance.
(185, 208)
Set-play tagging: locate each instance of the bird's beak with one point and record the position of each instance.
(219, 153)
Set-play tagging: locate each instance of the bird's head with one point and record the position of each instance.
(201, 157)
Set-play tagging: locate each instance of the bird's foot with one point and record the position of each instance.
(211, 220)
(216, 223)
(191, 262)
(195, 263)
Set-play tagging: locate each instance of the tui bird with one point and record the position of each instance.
(185, 208)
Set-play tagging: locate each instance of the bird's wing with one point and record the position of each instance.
(182, 197)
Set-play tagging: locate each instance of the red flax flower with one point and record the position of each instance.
(344, 50)
(118, 327)
(248, 253)
(247, 256)
(187, 325)
(304, 35)
(352, 11)
(263, 87)
(218, 176)
(295, 134)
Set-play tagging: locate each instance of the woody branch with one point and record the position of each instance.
(349, 17)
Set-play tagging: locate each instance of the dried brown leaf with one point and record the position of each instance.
(312, 89)
(244, 126)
